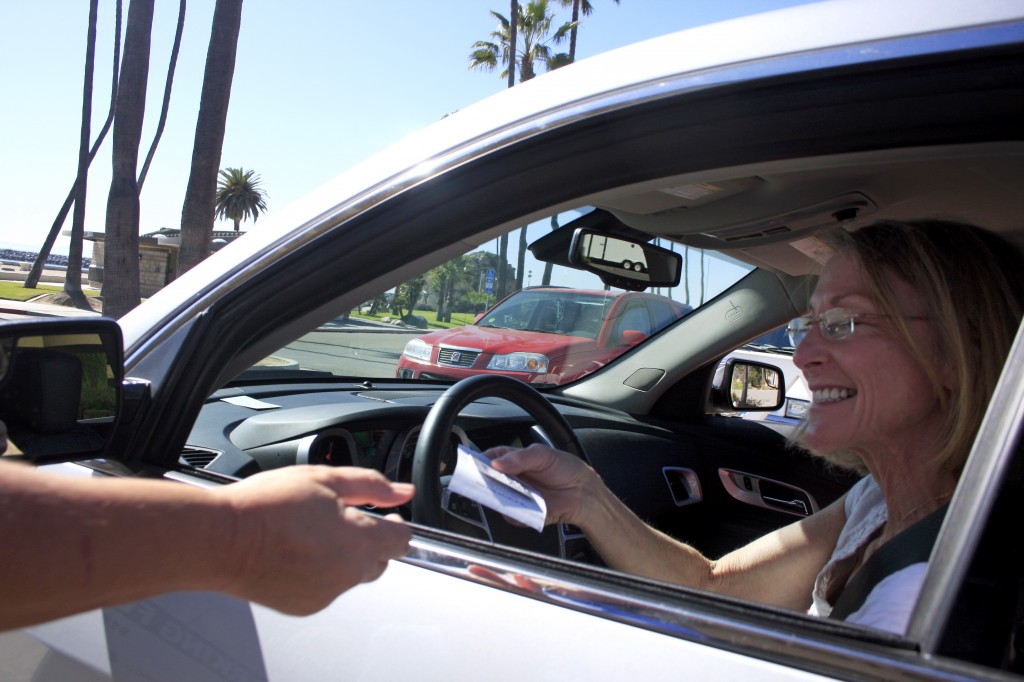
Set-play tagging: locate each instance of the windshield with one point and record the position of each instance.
(775, 341)
(497, 309)
(553, 311)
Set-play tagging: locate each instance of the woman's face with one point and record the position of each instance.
(870, 395)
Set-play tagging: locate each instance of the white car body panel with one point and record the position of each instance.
(403, 631)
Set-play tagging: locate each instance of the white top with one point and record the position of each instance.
(891, 601)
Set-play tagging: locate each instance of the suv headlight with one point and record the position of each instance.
(520, 362)
(418, 350)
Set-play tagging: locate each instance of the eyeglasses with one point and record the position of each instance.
(835, 324)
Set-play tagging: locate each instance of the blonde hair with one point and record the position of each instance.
(972, 284)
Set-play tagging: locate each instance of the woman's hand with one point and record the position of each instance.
(560, 477)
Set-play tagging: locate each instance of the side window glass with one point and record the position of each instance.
(662, 314)
(635, 318)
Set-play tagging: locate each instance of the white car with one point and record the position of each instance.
(752, 140)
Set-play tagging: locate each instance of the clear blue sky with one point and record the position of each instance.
(318, 86)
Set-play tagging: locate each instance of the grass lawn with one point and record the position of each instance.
(458, 319)
(14, 291)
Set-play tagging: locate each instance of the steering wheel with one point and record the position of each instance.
(435, 435)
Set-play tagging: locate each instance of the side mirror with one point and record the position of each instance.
(60, 387)
(631, 337)
(624, 263)
(743, 386)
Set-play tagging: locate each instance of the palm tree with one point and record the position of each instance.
(523, 43)
(121, 246)
(73, 278)
(32, 280)
(577, 6)
(198, 211)
(239, 196)
(171, 65)
(532, 46)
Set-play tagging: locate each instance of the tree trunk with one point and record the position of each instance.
(513, 25)
(197, 214)
(167, 94)
(572, 32)
(501, 278)
(686, 275)
(549, 267)
(32, 280)
(121, 250)
(73, 276)
(702, 277)
(521, 258)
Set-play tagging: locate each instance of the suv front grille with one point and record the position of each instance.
(457, 357)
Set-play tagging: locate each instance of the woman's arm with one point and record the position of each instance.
(778, 568)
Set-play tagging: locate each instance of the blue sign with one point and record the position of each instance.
(490, 281)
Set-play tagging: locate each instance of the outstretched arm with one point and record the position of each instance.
(778, 568)
(290, 539)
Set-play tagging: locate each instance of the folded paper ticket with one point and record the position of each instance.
(476, 479)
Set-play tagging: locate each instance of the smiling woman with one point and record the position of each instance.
(889, 380)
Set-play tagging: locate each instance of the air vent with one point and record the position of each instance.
(199, 458)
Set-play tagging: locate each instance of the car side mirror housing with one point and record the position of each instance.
(624, 263)
(631, 337)
(60, 387)
(744, 386)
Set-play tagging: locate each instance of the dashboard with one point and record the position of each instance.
(670, 474)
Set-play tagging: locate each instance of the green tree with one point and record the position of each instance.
(532, 45)
(448, 281)
(239, 196)
(198, 211)
(520, 44)
(409, 294)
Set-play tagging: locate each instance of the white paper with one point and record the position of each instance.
(250, 402)
(476, 479)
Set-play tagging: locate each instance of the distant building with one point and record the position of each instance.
(158, 256)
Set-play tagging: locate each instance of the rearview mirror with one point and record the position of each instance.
(60, 387)
(624, 263)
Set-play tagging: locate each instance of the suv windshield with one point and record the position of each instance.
(553, 311)
(498, 309)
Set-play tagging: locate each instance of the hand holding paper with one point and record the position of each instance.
(476, 479)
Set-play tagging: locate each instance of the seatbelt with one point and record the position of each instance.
(912, 546)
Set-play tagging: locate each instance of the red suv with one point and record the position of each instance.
(544, 336)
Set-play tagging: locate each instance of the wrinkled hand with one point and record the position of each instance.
(299, 542)
(560, 477)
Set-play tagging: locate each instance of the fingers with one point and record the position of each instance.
(385, 538)
(357, 486)
(514, 461)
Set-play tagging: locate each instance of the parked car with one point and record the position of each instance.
(744, 146)
(543, 336)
